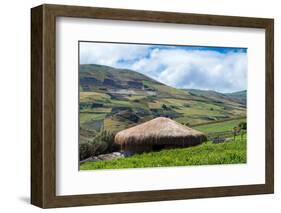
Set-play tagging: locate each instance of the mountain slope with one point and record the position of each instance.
(120, 81)
(238, 97)
(96, 76)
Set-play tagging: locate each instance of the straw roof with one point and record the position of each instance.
(160, 131)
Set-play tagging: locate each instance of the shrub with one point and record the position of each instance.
(242, 125)
(84, 150)
(105, 139)
(102, 143)
(165, 107)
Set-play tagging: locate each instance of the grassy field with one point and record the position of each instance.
(219, 126)
(231, 152)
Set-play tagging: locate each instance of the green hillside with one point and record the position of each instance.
(241, 95)
(238, 97)
(114, 99)
(214, 127)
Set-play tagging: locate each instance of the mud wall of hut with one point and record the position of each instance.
(136, 148)
(141, 148)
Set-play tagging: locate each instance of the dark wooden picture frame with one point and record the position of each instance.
(43, 105)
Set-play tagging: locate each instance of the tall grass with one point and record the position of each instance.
(231, 152)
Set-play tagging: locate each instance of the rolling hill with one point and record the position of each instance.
(114, 99)
(238, 97)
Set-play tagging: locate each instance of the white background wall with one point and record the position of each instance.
(15, 105)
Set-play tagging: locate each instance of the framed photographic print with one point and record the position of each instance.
(137, 106)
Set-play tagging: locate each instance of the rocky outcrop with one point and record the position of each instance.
(103, 157)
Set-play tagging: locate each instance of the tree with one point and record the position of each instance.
(104, 141)
(165, 107)
(243, 125)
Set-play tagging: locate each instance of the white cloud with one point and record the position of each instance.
(177, 67)
(109, 53)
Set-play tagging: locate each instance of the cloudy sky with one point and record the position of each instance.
(208, 68)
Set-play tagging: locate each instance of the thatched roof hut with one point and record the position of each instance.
(157, 134)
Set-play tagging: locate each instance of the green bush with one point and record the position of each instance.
(165, 107)
(102, 143)
(84, 150)
(242, 125)
(106, 141)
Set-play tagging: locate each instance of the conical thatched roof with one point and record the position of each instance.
(160, 131)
